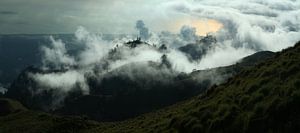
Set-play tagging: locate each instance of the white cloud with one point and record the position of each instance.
(223, 55)
(257, 24)
(56, 55)
(63, 82)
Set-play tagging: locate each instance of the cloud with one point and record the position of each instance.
(223, 55)
(95, 48)
(118, 16)
(63, 82)
(257, 24)
(56, 55)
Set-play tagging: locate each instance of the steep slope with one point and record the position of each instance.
(261, 99)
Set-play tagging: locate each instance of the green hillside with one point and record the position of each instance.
(264, 98)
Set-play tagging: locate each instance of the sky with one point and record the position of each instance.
(64, 16)
(100, 16)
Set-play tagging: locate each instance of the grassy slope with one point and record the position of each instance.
(262, 99)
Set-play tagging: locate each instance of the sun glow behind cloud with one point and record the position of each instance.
(203, 26)
(207, 26)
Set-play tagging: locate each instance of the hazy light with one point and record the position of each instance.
(203, 27)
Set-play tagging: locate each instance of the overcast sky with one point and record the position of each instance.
(119, 16)
(64, 16)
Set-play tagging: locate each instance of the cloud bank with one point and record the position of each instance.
(255, 24)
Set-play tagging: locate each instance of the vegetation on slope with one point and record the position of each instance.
(265, 98)
(261, 99)
(8, 106)
(37, 122)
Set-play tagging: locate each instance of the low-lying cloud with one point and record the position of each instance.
(144, 64)
(63, 82)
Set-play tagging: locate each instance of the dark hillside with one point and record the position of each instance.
(263, 98)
